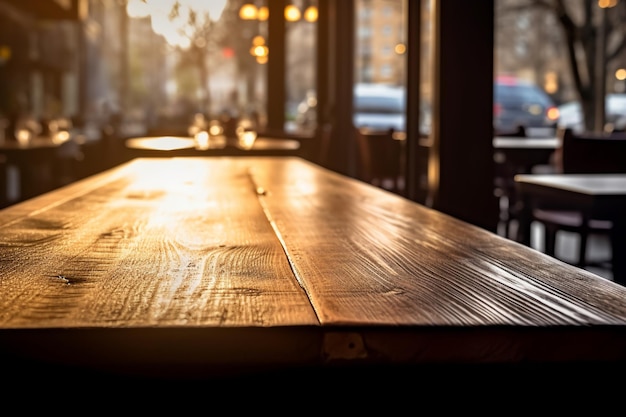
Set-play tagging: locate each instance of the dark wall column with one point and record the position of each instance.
(461, 163)
(276, 66)
(336, 87)
(124, 85)
(414, 161)
(324, 82)
(82, 70)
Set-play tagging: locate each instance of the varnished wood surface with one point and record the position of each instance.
(215, 264)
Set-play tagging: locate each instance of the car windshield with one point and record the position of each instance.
(378, 104)
(507, 93)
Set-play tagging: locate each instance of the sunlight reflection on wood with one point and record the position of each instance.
(162, 143)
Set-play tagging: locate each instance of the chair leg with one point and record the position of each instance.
(550, 240)
(513, 212)
(511, 227)
(582, 249)
(507, 228)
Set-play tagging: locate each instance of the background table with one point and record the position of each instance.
(601, 196)
(518, 155)
(273, 267)
(522, 154)
(217, 146)
(35, 166)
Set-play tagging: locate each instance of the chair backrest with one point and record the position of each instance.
(589, 153)
(380, 154)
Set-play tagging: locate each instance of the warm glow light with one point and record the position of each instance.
(553, 113)
(260, 50)
(551, 83)
(620, 74)
(60, 137)
(310, 14)
(605, 4)
(263, 14)
(246, 138)
(5, 53)
(215, 128)
(292, 13)
(258, 40)
(248, 12)
(400, 48)
(202, 140)
(262, 59)
(23, 136)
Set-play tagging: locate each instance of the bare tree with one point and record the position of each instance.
(593, 39)
(196, 24)
(198, 29)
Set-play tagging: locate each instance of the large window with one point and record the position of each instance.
(532, 45)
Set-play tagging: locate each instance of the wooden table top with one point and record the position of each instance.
(212, 262)
(505, 142)
(590, 184)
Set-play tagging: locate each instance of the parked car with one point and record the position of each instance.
(376, 106)
(379, 106)
(519, 103)
(571, 115)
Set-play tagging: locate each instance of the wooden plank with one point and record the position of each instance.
(174, 246)
(368, 258)
(170, 245)
(355, 249)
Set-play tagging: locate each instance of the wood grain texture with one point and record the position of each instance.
(370, 257)
(250, 261)
(173, 244)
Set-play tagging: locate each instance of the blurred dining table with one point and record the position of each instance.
(522, 154)
(596, 196)
(214, 145)
(31, 165)
(514, 155)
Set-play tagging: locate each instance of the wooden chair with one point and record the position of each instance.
(582, 153)
(381, 159)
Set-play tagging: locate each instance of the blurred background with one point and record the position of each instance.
(118, 68)
(151, 63)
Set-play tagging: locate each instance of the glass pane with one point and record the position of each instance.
(380, 64)
(587, 85)
(426, 64)
(301, 65)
